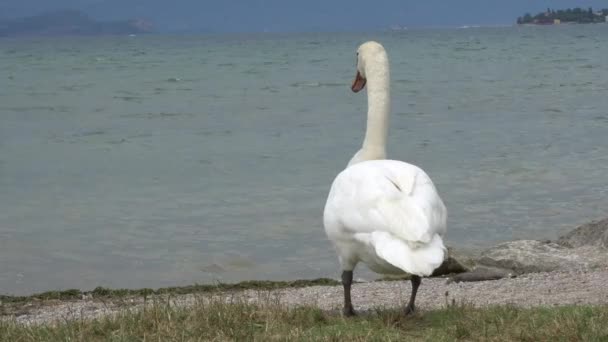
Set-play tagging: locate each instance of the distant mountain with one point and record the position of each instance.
(290, 16)
(70, 22)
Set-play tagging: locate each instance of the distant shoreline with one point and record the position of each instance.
(560, 24)
(70, 23)
(565, 16)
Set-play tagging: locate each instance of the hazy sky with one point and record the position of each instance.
(309, 15)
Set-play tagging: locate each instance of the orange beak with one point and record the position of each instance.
(358, 83)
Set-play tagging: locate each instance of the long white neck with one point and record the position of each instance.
(378, 108)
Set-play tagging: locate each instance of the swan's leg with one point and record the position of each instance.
(347, 280)
(409, 309)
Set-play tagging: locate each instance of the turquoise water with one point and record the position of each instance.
(169, 160)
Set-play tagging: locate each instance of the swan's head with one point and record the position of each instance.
(369, 56)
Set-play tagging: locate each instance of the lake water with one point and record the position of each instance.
(171, 160)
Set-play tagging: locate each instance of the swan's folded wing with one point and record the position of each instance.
(396, 214)
(386, 196)
(402, 217)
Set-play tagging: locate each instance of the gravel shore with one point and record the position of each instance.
(536, 289)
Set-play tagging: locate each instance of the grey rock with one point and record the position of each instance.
(594, 233)
(481, 273)
(450, 265)
(583, 248)
(529, 256)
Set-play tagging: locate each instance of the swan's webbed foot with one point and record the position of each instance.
(349, 312)
(409, 310)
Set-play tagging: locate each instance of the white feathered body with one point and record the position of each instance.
(388, 215)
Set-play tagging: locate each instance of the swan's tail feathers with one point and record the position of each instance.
(405, 219)
(420, 260)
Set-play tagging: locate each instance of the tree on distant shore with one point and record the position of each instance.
(527, 18)
(569, 15)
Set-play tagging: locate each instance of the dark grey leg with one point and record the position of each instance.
(347, 280)
(409, 309)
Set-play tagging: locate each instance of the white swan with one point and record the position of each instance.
(384, 213)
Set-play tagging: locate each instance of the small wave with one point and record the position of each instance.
(601, 118)
(305, 84)
(76, 87)
(270, 89)
(141, 135)
(424, 143)
(460, 48)
(207, 133)
(521, 170)
(302, 110)
(539, 85)
(117, 142)
(160, 115)
(317, 60)
(126, 92)
(129, 98)
(213, 96)
(317, 84)
(406, 81)
(89, 133)
(62, 109)
(170, 115)
(333, 84)
(238, 262)
(251, 71)
(552, 110)
(566, 60)
(213, 268)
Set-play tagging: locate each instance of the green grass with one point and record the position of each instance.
(216, 320)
